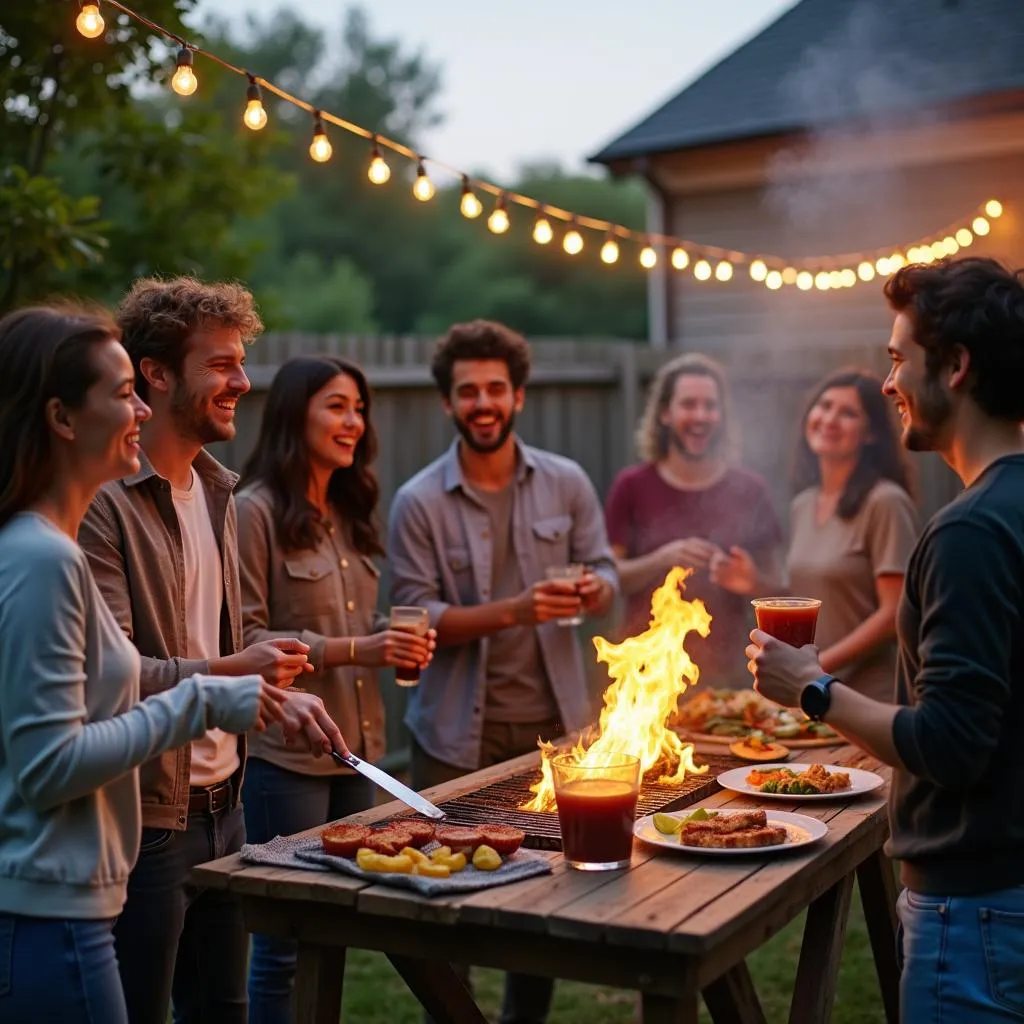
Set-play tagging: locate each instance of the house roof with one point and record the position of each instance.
(828, 61)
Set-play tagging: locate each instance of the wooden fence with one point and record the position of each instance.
(583, 400)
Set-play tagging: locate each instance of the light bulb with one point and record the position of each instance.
(255, 117)
(470, 206)
(759, 270)
(648, 257)
(773, 280)
(320, 149)
(981, 226)
(789, 275)
(882, 265)
(184, 81)
(994, 208)
(609, 251)
(542, 231)
(938, 250)
(702, 270)
(849, 278)
(723, 272)
(964, 237)
(89, 21)
(378, 172)
(866, 271)
(835, 279)
(422, 188)
(805, 280)
(951, 245)
(897, 260)
(572, 242)
(822, 281)
(680, 258)
(498, 221)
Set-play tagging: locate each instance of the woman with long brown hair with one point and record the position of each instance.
(852, 527)
(307, 538)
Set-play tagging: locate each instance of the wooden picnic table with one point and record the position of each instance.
(674, 926)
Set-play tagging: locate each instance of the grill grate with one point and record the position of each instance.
(497, 802)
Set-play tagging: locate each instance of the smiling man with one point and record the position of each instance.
(687, 504)
(470, 538)
(953, 735)
(162, 545)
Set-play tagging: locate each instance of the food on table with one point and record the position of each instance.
(815, 779)
(754, 748)
(388, 840)
(343, 840)
(506, 839)
(745, 713)
(453, 861)
(369, 860)
(736, 831)
(486, 859)
(432, 870)
(422, 831)
(459, 837)
(670, 825)
(416, 856)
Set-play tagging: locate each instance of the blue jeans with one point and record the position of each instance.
(177, 941)
(280, 803)
(55, 970)
(963, 957)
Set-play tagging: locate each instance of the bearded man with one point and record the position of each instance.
(687, 504)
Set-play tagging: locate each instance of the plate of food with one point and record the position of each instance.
(800, 781)
(724, 716)
(728, 833)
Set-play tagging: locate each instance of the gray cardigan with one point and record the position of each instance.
(72, 732)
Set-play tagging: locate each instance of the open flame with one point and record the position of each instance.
(649, 673)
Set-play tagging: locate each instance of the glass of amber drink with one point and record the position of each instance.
(409, 619)
(596, 808)
(790, 619)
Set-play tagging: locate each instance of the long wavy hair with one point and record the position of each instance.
(280, 460)
(881, 456)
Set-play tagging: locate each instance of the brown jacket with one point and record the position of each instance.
(132, 538)
(327, 591)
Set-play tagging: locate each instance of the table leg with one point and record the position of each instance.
(732, 999)
(815, 987)
(878, 892)
(655, 1009)
(439, 989)
(319, 974)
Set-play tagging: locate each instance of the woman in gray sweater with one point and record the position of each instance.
(72, 730)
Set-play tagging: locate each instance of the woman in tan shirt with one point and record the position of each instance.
(306, 541)
(852, 527)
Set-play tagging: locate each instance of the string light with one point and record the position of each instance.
(759, 271)
(255, 117)
(470, 206)
(422, 188)
(822, 281)
(542, 230)
(847, 277)
(609, 251)
(680, 258)
(773, 280)
(184, 81)
(702, 270)
(964, 237)
(572, 240)
(994, 208)
(89, 21)
(648, 257)
(805, 280)
(498, 221)
(981, 226)
(723, 272)
(789, 275)
(320, 149)
(866, 271)
(377, 171)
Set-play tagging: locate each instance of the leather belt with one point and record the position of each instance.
(209, 799)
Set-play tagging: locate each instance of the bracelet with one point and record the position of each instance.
(352, 650)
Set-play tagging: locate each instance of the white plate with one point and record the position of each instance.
(801, 828)
(860, 782)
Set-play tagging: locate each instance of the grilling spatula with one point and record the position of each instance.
(392, 786)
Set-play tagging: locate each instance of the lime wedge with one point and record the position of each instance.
(667, 825)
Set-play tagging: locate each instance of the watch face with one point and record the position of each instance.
(814, 700)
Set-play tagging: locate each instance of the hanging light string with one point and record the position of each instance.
(838, 270)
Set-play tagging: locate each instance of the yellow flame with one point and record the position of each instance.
(649, 673)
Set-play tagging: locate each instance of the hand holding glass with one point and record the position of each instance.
(567, 573)
(409, 619)
(792, 620)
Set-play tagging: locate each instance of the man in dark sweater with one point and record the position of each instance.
(954, 733)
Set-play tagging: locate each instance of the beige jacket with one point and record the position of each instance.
(329, 591)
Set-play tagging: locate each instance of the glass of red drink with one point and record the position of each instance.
(789, 619)
(409, 619)
(596, 808)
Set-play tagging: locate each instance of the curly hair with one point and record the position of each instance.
(652, 436)
(480, 339)
(280, 459)
(158, 317)
(975, 303)
(46, 352)
(881, 457)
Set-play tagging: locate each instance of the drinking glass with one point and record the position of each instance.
(573, 573)
(790, 619)
(409, 619)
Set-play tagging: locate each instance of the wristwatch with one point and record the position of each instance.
(815, 698)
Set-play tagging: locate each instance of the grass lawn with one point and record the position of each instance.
(375, 994)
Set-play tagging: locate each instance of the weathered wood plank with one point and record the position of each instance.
(439, 989)
(732, 998)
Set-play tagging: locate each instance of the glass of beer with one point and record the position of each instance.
(790, 619)
(572, 573)
(596, 808)
(409, 619)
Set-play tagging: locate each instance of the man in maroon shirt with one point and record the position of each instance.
(687, 504)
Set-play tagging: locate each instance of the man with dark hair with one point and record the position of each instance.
(470, 538)
(162, 545)
(956, 814)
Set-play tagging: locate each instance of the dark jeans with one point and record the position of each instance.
(279, 803)
(177, 940)
(56, 971)
(527, 998)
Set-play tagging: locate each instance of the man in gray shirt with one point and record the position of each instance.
(470, 538)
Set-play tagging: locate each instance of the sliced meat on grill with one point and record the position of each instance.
(746, 838)
(503, 839)
(422, 831)
(388, 840)
(344, 840)
(459, 837)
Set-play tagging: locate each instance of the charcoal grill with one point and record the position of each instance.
(499, 802)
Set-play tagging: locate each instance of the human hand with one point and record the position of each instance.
(278, 661)
(735, 571)
(547, 600)
(396, 647)
(689, 553)
(596, 593)
(781, 671)
(269, 708)
(304, 721)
